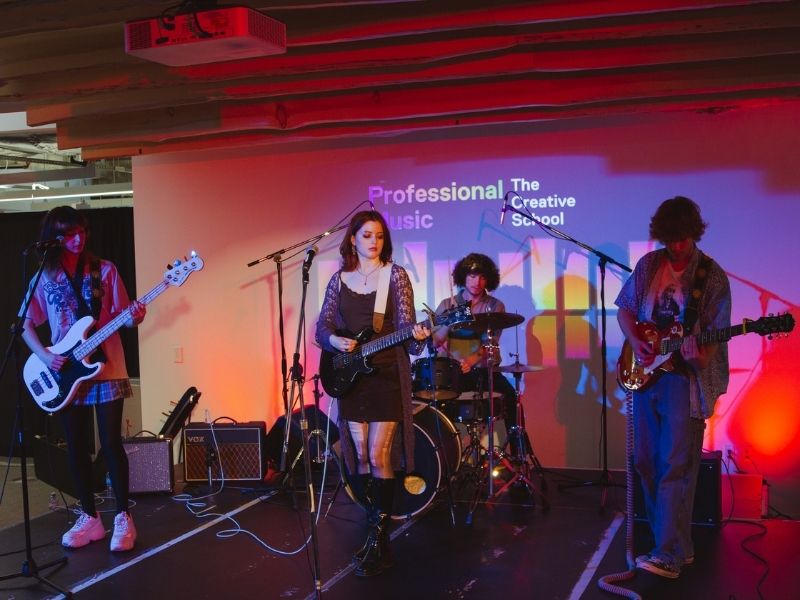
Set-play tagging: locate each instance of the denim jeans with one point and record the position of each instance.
(667, 448)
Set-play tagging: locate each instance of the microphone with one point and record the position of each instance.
(47, 244)
(310, 253)
(505, 208)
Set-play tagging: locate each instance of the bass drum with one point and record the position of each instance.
(432, 460)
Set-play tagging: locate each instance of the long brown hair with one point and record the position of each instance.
(57, 222)
(348, 251)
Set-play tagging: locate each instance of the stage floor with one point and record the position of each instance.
(246, 543)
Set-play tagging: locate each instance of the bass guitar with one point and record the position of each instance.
(338, 370)
(633, 375)
(53, 390)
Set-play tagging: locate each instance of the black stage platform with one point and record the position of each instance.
(513, 549)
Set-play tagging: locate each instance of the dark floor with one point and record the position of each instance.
(513, 549)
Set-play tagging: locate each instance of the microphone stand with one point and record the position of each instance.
(277, 256)
(29, 566)
(604, 481)
(297, 378)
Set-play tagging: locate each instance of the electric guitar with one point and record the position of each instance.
(338, 370)
(633, 375)
(53, 390)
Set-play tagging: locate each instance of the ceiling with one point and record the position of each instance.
(377, 68)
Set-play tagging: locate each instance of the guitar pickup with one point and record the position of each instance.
(46, 378)
(37, 389)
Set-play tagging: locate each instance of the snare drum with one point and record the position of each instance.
(442, 380)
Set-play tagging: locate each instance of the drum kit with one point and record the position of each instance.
(455, 433)
(453, 427)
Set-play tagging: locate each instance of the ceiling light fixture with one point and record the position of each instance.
(91, 191)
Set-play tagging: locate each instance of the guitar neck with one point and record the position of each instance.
(387, 341)
(102, 334)
(670, 345)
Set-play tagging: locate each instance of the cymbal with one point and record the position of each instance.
(483, 322)
(519, 368)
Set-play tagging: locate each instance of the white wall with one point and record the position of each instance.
(236, 206)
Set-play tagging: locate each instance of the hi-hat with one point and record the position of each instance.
(483, 322)
(515, 368)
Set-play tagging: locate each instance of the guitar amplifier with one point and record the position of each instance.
(707, 508)
(234, 451)
(150, 465)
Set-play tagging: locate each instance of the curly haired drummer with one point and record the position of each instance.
(475, 276)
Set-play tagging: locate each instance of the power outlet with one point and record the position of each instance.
(730, 451)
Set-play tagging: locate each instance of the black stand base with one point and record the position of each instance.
(31, 570)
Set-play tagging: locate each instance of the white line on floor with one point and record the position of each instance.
(106, 574)
(349, 568)
(597, 557)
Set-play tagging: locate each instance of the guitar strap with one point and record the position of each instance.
(698, 287)
(97, 293)
(381, 296)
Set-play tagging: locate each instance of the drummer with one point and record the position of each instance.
(475, 276)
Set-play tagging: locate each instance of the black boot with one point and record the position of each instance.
(361, 487)
(378, 558)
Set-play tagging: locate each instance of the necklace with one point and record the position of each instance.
(366, 275)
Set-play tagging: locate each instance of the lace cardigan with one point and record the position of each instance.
(330, 319)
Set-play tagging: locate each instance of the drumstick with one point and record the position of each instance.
(450, 282)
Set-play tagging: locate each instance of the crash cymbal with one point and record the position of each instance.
(483, 322)
(519, 368)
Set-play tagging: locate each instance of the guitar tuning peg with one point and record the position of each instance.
(193, 253)
(169, 267)
(177, 262)
(165, 414)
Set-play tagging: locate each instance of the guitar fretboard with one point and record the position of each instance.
(670, 345)
(91, 344)
(374, 346)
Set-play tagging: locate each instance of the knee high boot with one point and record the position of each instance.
(362, 488)
(378, 558)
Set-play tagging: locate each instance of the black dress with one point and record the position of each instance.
(377, 396)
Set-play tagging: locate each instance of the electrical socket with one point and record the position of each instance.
(729, 451)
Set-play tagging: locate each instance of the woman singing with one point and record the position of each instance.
(373, 408)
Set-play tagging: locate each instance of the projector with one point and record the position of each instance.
(208, 36)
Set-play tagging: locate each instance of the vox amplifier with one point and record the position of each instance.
(233, 451)
(150, 467)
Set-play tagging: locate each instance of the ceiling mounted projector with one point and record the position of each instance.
(207, 36)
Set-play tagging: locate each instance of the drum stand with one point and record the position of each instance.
(485, 468)
(447, 475)
(523, 462)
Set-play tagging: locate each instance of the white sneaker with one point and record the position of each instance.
(86, 529)
(124, 533)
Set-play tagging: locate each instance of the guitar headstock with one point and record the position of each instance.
(771, 324)
(179, 270)
(458, 314)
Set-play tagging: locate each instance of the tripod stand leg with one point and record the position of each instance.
(339, 486)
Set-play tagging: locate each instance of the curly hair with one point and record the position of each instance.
(676, 219)
(347, 249)
(476, 263)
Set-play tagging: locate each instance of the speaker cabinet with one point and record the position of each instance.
(707, 508)
(233, 451)
(317, 421)
(150, 465)
(52, 467)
